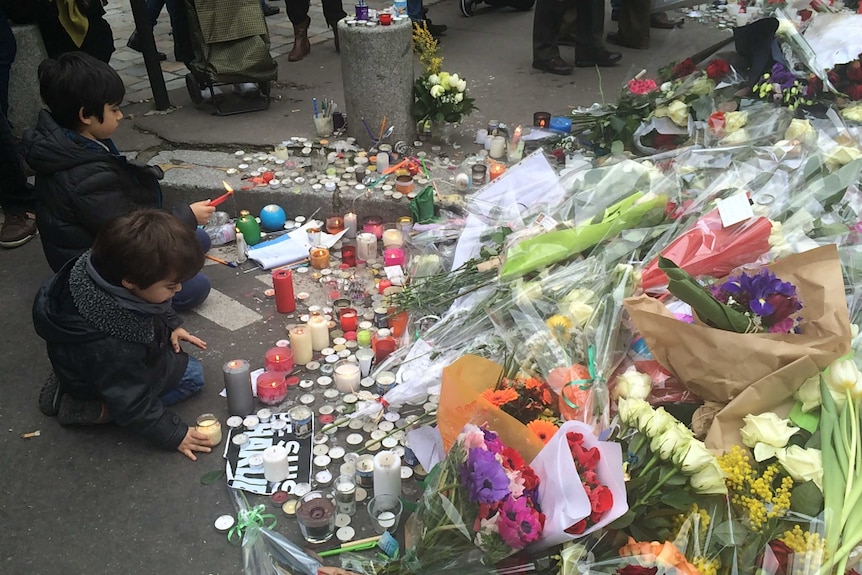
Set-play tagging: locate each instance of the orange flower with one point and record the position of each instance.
(500, 397)
(542, 429)
(534, 383)
(654, 552)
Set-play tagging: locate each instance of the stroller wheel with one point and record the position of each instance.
(194, 89)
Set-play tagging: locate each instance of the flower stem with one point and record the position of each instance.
(664, 479)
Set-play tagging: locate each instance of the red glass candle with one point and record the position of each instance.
(334, 224)
(373, 225)
(271, 387)
(393, 257)
(383, 346)
(381, 287)
(348, 319)
(279, 359)
(348, 255)
(397, 322)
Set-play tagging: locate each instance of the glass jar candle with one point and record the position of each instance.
(393, 257)
(366, 246)
(392, 236)
(334, 224)
(348, 319)
(271, 387)
(373, 225)
(478, 172)
(209, 425)
(348, 255)
(278, 359)
(346, 375)
(315, 513)
(319, 257)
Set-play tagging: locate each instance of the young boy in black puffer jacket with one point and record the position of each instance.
(82, 181)
(113, 337)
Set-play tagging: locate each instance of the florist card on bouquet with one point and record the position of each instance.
(717, 365)
(566, 503)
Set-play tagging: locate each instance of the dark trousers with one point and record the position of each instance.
(634, 21)
(179, 16)
(585, 20)
(99, 41)
(16, 195)
(297, 11)
(8, 49)
(548, 18)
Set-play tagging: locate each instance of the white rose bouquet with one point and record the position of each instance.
(438, 96)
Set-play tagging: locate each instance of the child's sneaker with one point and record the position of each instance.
(49, 396)
(79, 412)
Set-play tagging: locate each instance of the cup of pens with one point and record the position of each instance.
(323, 118)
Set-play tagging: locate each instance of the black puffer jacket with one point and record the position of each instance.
(81, 186)
(102, 351)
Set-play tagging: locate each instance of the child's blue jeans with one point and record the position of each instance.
(191, 383)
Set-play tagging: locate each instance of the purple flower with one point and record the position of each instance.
(484, 476)
(762, 294)
(492, 442)
(782, 77)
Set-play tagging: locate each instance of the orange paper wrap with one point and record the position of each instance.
(461, 403)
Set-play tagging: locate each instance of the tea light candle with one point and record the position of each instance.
(366, 246)
(392, 237)
(363, 338)
(350, 225)
(319, 257)
(405, 224)
(404, 184)
(237, 382)
(393, 257)
(300, 344)
(387, 474)
(373, 225)
(347, 376)
(278, 359)
(271, 387)
(209, 425)
(319, 332)
(496, 170)
(275, 465)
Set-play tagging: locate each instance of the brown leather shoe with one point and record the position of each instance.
(554, 65)
(301, 45)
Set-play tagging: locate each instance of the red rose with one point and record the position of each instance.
(716, 69)
(684, 68)
(815, 86)
(601, 499)
(716, 122)
(854, 91)
(587, 459)
(637, 570)
(577, 528)
(833, 77)
(590, 478)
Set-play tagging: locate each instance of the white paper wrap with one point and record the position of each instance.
(561, 493)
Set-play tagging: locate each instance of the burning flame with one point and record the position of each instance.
(227, 186)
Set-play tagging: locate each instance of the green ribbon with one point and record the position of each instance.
(583, 384)
(245, 519)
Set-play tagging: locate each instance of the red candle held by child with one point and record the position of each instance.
(282, 281)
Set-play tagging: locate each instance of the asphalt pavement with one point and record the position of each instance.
(100, 500)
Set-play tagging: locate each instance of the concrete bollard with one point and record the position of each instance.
(377, 71)
(24, 99)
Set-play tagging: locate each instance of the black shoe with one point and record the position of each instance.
(554, 65)
(270, 10)
(135, 44)
(49, 396)
(436, 29)
(467, 7)
(81, 412)
(603, 59)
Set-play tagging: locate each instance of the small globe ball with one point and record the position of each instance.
(272, 218)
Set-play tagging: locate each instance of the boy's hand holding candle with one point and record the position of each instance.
(202, 211)
(194, 441)
(181, 334)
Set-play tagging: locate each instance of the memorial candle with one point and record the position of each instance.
(300, 344)
(373, 225)
(350, 225)
(366, 246)
(237, 382)
(209, 425)
(278, 359)
(334, 224)
(347, 376)
(387, 474)
(275, 464)
(348, 255)
(393, 257)
(319, 332)
(348, 319)
(392, 236)
(319, 257)
(271, 387)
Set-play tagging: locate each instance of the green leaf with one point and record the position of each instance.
(618, 147)
(807, 421)
(806, 498)
(211, 477)
(730, 533)
(716, 314)
(678, 499)
(623, 520)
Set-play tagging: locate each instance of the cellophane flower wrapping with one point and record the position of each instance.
(564, 500)
(482, 497)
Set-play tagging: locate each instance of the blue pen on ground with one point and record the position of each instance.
(221, 261)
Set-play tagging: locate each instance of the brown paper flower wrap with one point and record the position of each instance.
(719, 365)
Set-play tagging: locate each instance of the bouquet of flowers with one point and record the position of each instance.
(438, 96)
(483, 495)
(601, 496)
(745, 303)
(529, 400)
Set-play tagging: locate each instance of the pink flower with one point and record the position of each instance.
(472, 437)
(642, 87)
(519, 523)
